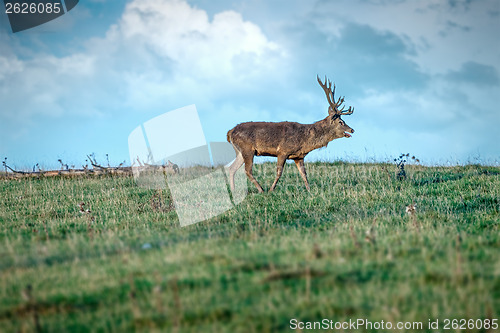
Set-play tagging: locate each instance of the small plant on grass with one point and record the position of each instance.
(400, 165)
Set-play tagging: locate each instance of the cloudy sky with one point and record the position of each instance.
(423, 76)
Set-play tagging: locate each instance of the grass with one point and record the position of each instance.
(346, 250)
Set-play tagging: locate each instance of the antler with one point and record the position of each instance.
(328, 90)
(330, 96)
(348, 111)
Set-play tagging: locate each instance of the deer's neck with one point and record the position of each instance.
(321, 133)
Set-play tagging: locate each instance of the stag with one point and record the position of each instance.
(287, 140)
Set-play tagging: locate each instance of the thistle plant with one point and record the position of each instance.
(400, 165)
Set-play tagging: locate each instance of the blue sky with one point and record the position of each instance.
(423, 76)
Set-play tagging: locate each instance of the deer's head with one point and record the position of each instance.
(335, 110)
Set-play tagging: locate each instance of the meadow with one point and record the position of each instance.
(346, 250)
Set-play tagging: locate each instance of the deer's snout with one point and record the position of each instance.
(348, 129)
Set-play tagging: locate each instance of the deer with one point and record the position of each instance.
(287, 140)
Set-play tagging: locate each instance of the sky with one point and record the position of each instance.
(422, 76)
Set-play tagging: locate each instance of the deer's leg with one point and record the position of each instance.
(302, 170)
(279, 171)
(248, 159)
(238, 162)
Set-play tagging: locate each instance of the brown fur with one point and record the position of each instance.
(285, 140)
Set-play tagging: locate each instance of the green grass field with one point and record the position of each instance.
(345, 250)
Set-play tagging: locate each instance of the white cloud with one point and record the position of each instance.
(185, 35)
(157, 50)
(9, 66)
(218, 53)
